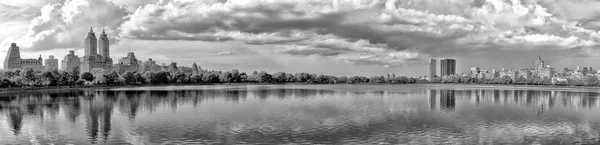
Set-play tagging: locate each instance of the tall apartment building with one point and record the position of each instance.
(447, 67)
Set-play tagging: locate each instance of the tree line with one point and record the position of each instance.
(32, 78)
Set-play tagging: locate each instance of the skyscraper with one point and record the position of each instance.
(539, 65)
(447, 67)
(92, 59)
(89, 44)
(103, 44)
(432, 64)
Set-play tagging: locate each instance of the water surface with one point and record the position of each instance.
(303, 114)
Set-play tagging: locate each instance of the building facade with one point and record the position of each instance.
(525, 73)
(92, 59)
(51, 63)
(129, 63)
(513, 74)
(149, 65)
(432, 71)
(13, 60)
(70, 61)
(447, 67)
(543, 71)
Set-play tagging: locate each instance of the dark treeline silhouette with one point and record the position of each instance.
(31, 78)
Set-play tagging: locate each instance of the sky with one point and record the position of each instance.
(333, 37)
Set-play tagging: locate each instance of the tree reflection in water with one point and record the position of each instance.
(100, 110)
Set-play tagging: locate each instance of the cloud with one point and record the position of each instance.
(64, 25)
(389, 33)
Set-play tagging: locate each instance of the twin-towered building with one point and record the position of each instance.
(447, 67)
(96, 59)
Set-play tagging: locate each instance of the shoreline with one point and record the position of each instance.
(52, 88)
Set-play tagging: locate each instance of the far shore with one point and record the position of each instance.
(63, 88)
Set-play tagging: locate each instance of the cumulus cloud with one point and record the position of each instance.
(64, 25)
(375, 32)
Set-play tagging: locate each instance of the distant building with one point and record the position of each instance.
(447, 67)
(171, 67)
(51, 63)
(128, 63)
(491, 75)
(92, 59)
(149, 65)
(13, 60)
(195, 69)
(513, 74)
(525, 73)
(432, 64)
(475, 70)
(547, 73)
(539, 65)
(541, 70)
(70, 61)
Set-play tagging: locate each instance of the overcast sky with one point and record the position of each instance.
(336, 37)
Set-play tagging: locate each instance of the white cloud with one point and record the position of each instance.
(65, 25)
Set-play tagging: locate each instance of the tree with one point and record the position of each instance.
(343, 79)
(28, 77)
(235, 74)
(590, 80)
(87, 76)
(210, 78)
(47, 78)
(112, 78)
(128, 78)
(279, 77)
(73, 76)
(196, 78)
(290, 78)
(506, 80)
(264, 77)
(139, 79)
(180, 77)
(226, 77)
(521, 80)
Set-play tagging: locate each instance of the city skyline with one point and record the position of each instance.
(324, 37)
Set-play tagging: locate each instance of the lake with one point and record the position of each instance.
(303, 114)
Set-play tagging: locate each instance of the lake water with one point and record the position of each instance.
(303, 114)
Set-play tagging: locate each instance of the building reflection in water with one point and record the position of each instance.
(447, 100)
(98, 107)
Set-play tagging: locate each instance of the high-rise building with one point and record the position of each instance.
(70, 61)
(475, 70)
(103, 44)
(432, 64)
(447, 67)
(13, 60)
(92, 59)
(51, 63)
(539, 65)
(541, 70)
